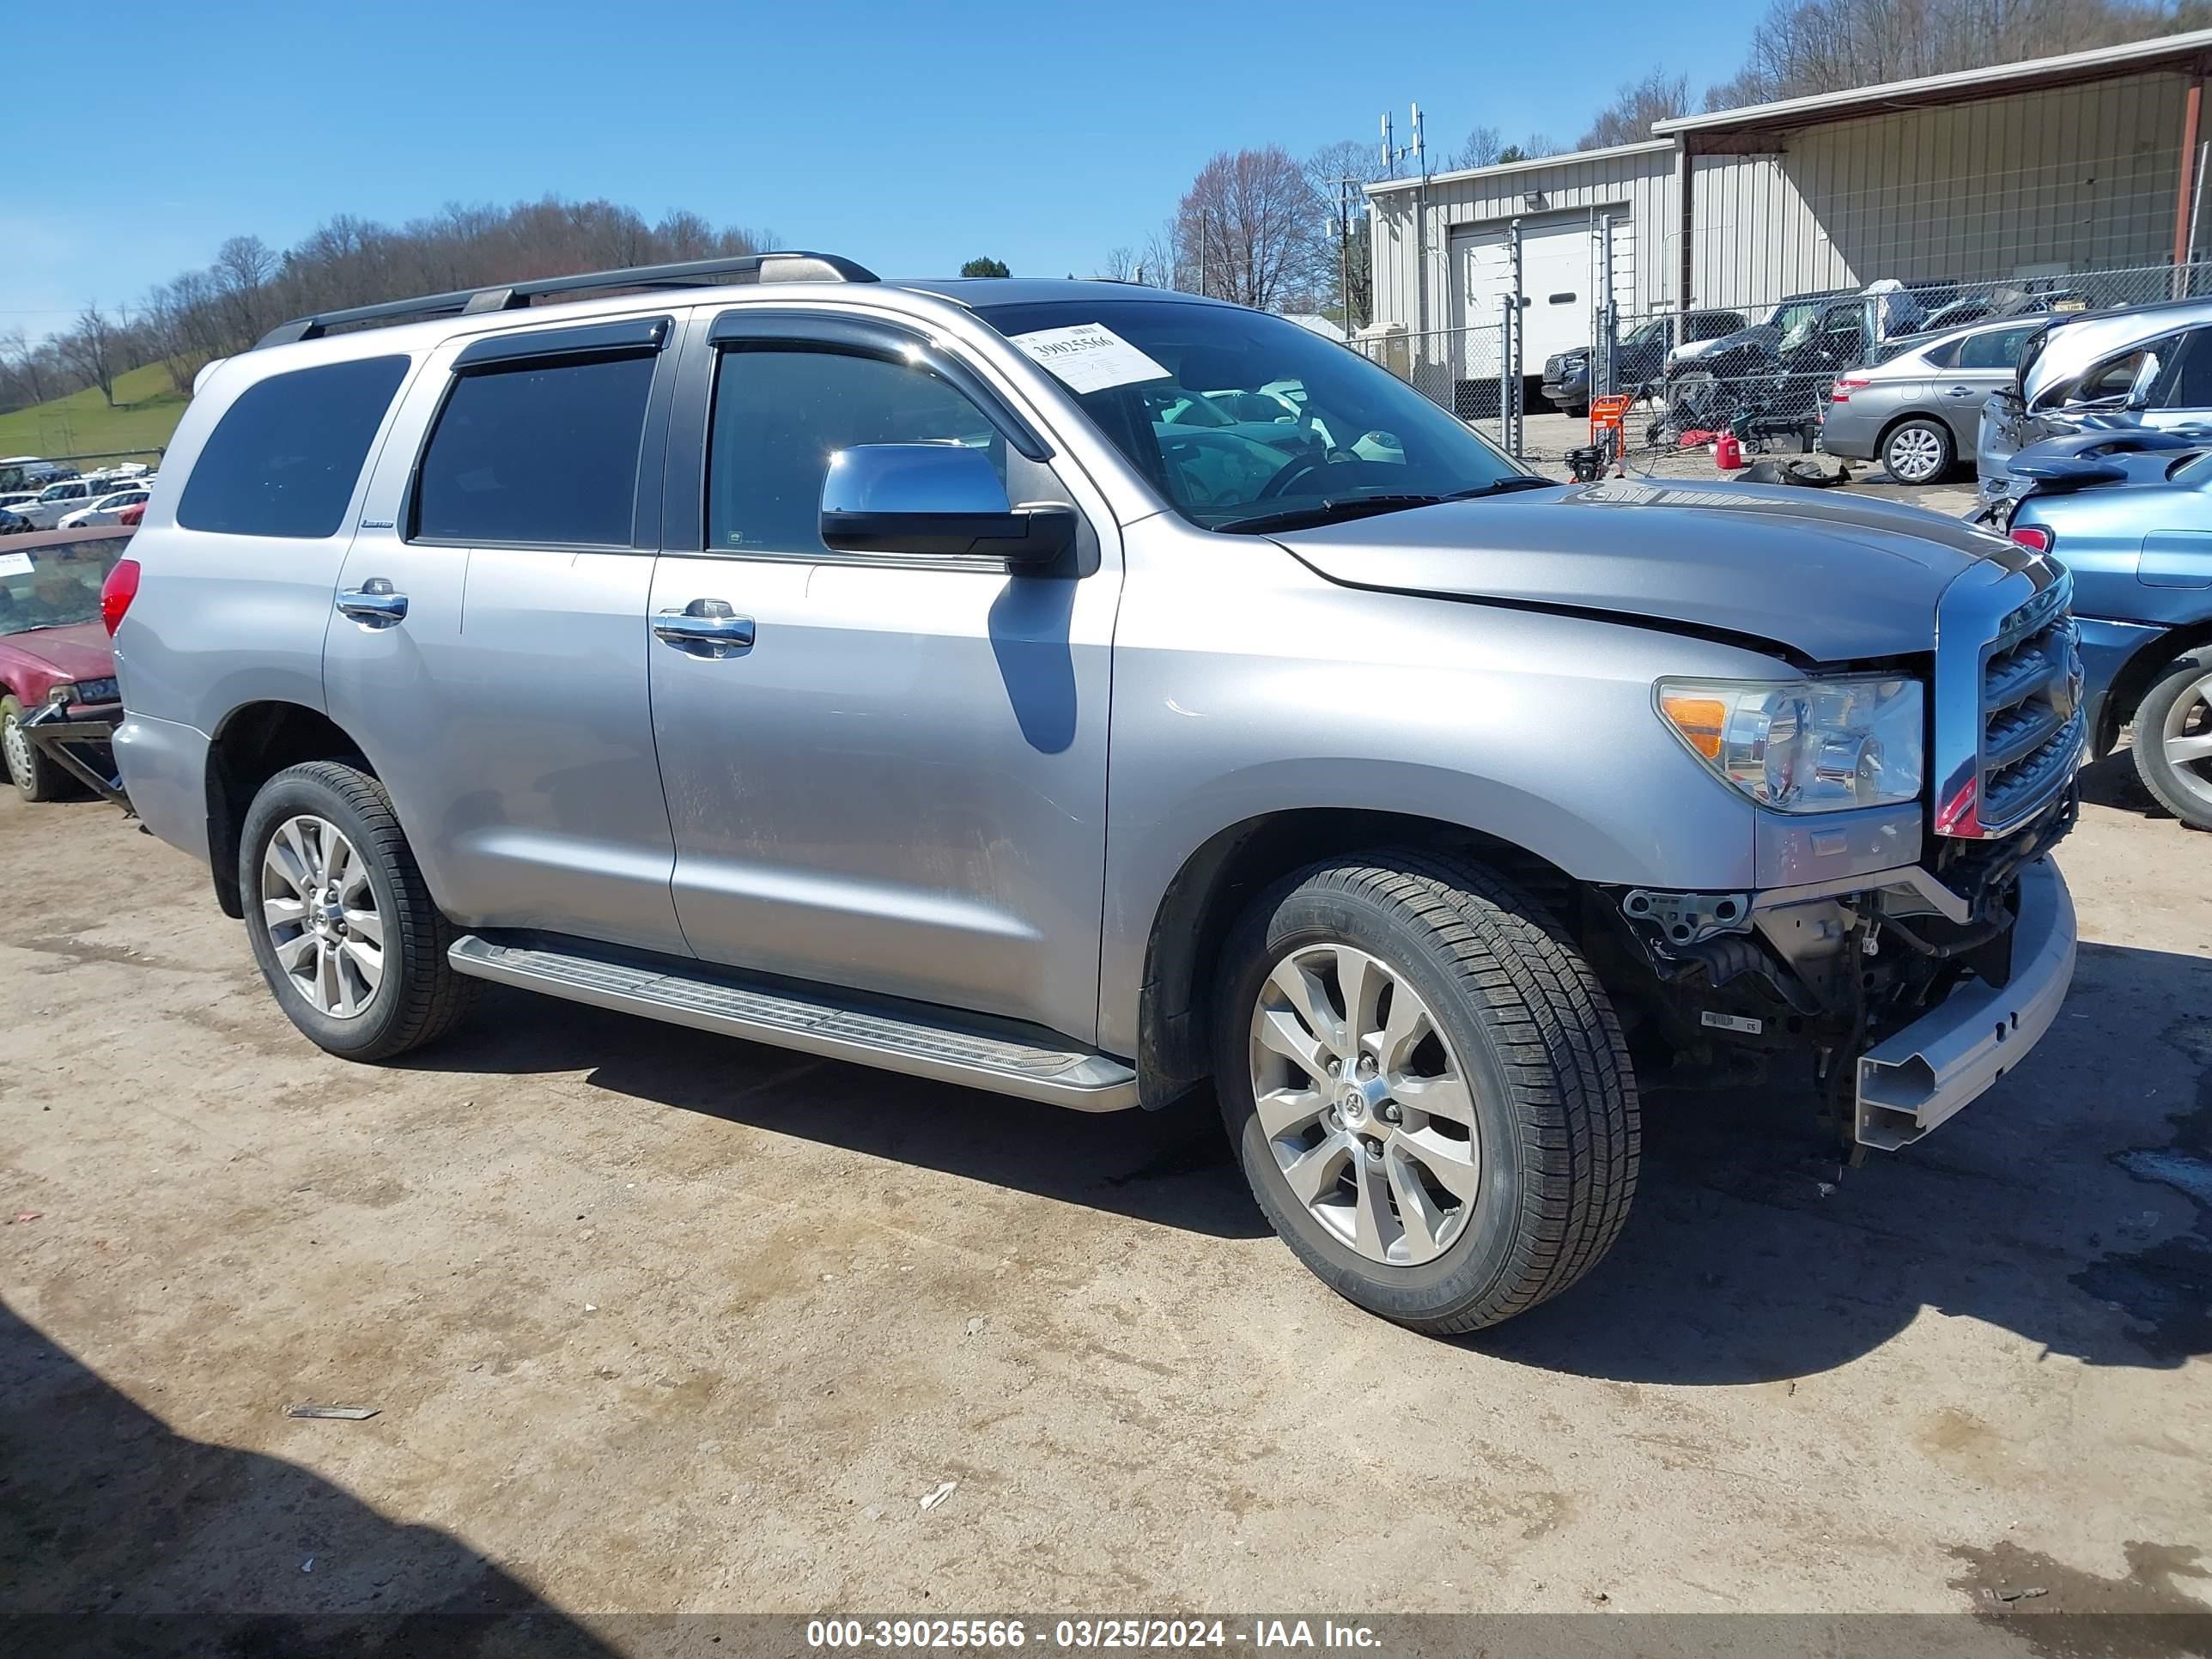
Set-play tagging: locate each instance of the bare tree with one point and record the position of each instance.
(1483, 147)
(1801, 47)
(25, 366)
(1636, 105)
(1346, 270)
(1254, 221)
(92, 349)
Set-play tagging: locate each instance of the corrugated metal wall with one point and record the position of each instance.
(1635, 184)
(2081, 177)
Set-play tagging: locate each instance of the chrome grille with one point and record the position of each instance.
(2032, 722)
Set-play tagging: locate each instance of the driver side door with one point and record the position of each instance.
(890, 774)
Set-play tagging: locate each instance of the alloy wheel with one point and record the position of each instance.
(2186, 739)
(320, 912)
(16, 746)
(1915, 456)
(1365, 1104)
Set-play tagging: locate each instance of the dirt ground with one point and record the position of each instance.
(655, 1322)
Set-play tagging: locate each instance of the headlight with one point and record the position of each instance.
(61, 693)
(1804, 746)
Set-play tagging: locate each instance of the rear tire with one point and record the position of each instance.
(2174, 721)
(342, 924)
(1398, 1207)
(33, 778)
(1919, 450)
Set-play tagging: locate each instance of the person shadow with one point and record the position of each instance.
(118, 1535)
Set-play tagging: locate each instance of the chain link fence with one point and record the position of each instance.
(1765, 371)
(1465, 370)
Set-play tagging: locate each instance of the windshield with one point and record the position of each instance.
(1237, 416)
(55, 586)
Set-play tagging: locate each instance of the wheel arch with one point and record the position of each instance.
(1215, 883)
(2125, 694)
(251, 745)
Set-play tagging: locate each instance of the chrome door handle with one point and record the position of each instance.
(705, 627)
(373, 605)
(1959, 391)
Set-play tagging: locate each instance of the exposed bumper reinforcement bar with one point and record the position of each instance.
(1914, 1080)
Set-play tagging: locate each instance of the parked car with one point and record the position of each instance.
(2147, 368)
(131, 516)
(1437, 788)
(29, 472)
(2134, 527)
(1997, 301)
(108, 509)
(14, 498)
(1637, 359)
(13, 523)
(1917, 410)
(54, 651)
(1778, 375)
(51, 505)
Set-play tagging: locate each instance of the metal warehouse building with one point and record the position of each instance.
(2088, 162)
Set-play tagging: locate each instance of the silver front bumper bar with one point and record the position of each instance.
(1912, 1081)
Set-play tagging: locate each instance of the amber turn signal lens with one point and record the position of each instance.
(1700, 720)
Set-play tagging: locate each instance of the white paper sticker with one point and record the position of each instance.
(15, 564)
(1090, 357)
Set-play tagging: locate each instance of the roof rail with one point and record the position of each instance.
(794, 265)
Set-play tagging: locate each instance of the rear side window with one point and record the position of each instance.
(285, 457)
(543, 452)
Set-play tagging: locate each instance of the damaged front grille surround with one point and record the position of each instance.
(2010, 719)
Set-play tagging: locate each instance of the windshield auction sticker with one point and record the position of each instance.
(15, 564)
(1090, 357)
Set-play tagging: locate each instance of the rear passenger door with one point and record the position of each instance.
(487, 644)
(896, 779)
(1980, 364)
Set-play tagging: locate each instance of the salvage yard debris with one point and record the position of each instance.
(345, 1414)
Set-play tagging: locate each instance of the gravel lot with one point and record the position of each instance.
(658, 1322)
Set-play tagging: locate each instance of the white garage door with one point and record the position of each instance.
(1556, 263)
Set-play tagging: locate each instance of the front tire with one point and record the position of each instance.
(2173, 739)
(1919, 451)
(342, 924)
(1427, 1088)
(33, 778)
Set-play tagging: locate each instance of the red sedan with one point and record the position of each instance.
(54, 650)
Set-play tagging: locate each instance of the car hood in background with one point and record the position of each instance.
(80, 651)
(1833, 578)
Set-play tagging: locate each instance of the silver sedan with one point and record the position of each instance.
(1916, 411)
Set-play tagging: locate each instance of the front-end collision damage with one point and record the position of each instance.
(1726, 982)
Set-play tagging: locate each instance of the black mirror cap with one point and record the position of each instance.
(1040, 533)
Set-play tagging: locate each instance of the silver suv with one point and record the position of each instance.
(966, 678)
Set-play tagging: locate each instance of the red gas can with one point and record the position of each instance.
(1728, 453)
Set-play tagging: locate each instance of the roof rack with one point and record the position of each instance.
(794, 265)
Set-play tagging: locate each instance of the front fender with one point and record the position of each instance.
(1246, 685)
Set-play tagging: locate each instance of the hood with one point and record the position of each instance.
(80, 651)
(1830, 578)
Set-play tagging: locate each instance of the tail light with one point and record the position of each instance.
(117, 592)
(2033, 535)
(1841, 391)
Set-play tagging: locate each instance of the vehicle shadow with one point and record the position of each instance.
(2113, 782)
(1171, 1167)
(2049, 1208)
(1750, 1255)
(119, 1535)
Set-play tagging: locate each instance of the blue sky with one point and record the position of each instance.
(908, 136)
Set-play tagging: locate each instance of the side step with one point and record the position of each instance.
(1059, 1077)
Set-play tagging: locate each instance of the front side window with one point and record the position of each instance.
(781, 412)
(537, 452)
(1293, 424)
(55, 586)
(285, 455)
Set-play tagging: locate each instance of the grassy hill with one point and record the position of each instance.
(146, 412)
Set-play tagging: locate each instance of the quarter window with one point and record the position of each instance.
(540, 452)
(780, 413)
(285, 457)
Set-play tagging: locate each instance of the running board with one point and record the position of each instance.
(1059, 1077)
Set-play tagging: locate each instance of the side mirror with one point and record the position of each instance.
(941, 499)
